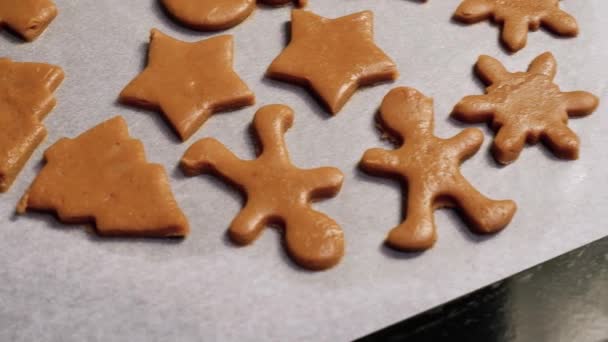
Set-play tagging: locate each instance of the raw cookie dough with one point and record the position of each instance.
(212, 15)
(26, 97)
(28, 18)
(431, 168)
(188, 82)
(526, 106)
(102, 176)
(276, 191)
(333, 57)
(518, 17)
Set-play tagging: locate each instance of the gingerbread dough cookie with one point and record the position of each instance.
(212, 15)
(332, 56)
(26, 97)
(526, 106)
(518, 17)
(28, 18)
(188, 82)
(102, 176)
(431, 168)
(276, 191)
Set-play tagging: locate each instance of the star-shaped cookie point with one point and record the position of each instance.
(518, 17)
(27, 18)
(431, 168)
(188, 82)
(333, 57)
(526, 107)
(102, 177)
(276, 191)
(26, 97)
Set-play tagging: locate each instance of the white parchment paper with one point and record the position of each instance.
(63, 283)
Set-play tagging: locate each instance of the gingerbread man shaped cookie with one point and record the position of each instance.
(518, 17)
(276, 191)
(27, 18)
(526, 106)
(430, 167)
(212, 15)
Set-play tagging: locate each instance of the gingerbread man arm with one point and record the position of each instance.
(323, 182)
(209, 155)
(472, 11)
(466, 143)
(270, 124)
(380, 161)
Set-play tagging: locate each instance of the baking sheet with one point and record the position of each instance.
(62, 283)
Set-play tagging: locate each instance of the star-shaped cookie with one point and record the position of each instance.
(276, 190)
(518, 17)
(188, 82)
(526, 106)
(26, 97)
(27, 18)
(332, 56)
(431, 168)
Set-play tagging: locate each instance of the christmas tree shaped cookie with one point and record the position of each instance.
(102, 177)
(431, 168)
(26, 97)
(276, 190)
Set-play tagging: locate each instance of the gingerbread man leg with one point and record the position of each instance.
(484, 215)
(248, 224)
(417, 232)
(313, 239)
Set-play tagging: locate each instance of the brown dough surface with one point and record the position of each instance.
(188, 82)
(212, 15)
(431, 168)
(333, 57)
(28, 18)
(518, 17)
(276, 191)
(102, 176)
(526, 106)
(26, 97)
